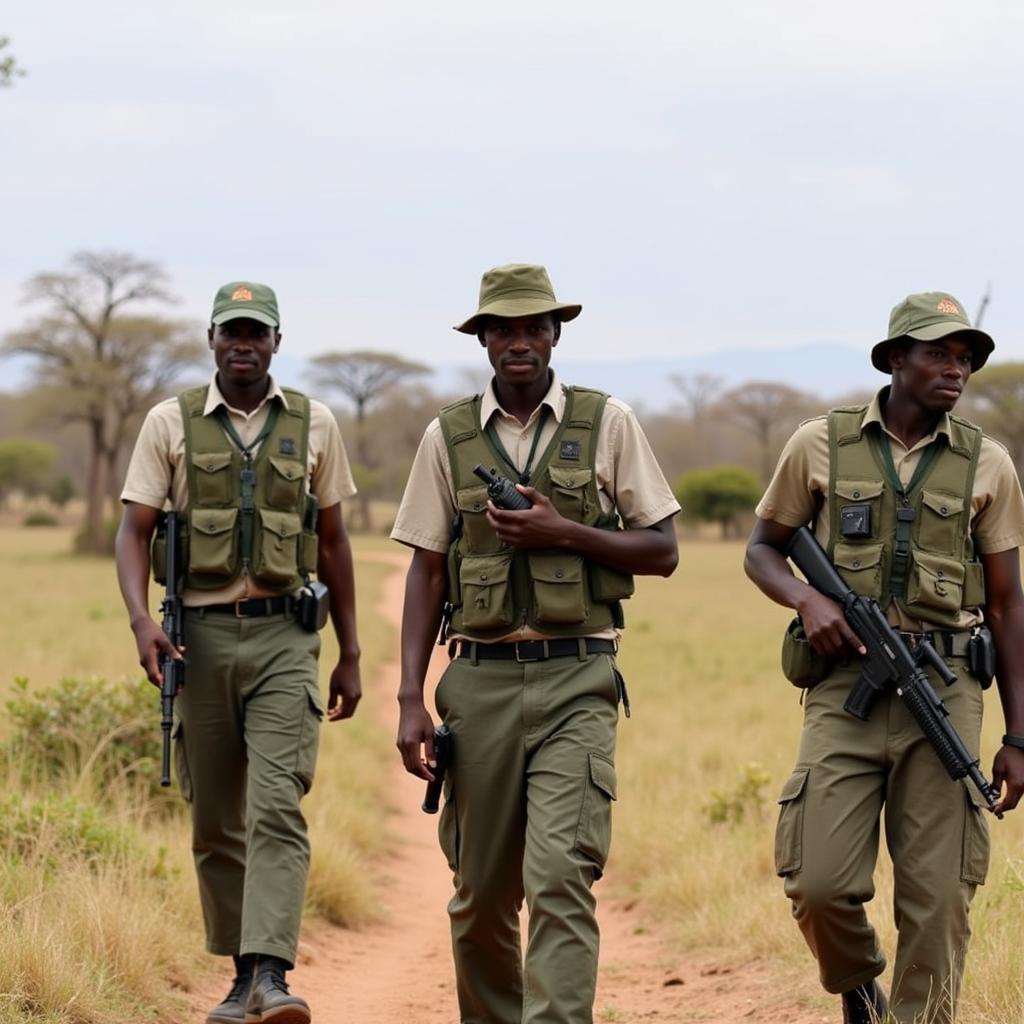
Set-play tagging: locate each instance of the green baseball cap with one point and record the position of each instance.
(929, 316)
(246, 299)
(518, 289)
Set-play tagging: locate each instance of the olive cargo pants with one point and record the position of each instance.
(246, 746)
(528, 812)
(826, 843)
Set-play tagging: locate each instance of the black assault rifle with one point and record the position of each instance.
(171, 669)
(889, 661)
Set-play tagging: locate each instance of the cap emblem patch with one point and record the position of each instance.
(946, 306)
(241, 295)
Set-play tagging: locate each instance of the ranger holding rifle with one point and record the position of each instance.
(255, 474)
(913, 603)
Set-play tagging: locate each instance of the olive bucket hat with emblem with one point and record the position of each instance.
(518, 289)
(247, 299)
(929, 316)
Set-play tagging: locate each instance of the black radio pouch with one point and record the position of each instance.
(981, 656)
(313, 606)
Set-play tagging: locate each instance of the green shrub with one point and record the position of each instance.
(108, 729)
(55, 828)
(39, 519)
(730, 806)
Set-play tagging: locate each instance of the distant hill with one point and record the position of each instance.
(827, 370)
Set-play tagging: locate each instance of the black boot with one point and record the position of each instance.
(270, 1002)
(232, 1009)
(865, 1004)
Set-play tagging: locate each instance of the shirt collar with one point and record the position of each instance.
(554, 399)
(874, 415)
(215, 399)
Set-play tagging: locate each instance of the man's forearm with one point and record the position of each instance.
(652, 551)
(334, 568)
(132, 560)
(425, 588)
(1007, 627)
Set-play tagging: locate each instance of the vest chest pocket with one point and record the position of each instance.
(859, 503)
(284, 482)
(213, 542)
(213, 478)
(486, 593)
(935, 586)
(559, 594)
(472, 505)
(569, 491)
(861, 566)
(276, 558)
(940, 522)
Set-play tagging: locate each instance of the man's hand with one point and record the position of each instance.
(153, 642)
(416, 734)
(538, 527)
(826, 627)
(1008, 767)
(345, 691)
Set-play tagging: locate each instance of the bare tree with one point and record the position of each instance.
(767, 410)
(998, 391)
(99, 366)
(9, 67)
(363, 377)
(698, 392)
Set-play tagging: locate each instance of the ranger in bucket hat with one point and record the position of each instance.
(523, 615)
(920, 510)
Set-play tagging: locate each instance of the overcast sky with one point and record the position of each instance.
(702, 177)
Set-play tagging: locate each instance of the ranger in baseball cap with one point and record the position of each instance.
(246, 299)
(518, 289)
(929, 316)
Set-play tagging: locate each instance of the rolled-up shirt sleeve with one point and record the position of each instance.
(425, 515)
(148, 480)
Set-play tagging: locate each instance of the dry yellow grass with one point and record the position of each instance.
(701, 657)
(118, 937)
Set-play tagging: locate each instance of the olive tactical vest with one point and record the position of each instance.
(494, 588)
(248, 514)
(907, 543)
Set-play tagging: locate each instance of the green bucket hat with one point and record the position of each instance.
(518, 289)
(929, 316)
(246, 299)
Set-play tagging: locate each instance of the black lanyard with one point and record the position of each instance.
(524, 476)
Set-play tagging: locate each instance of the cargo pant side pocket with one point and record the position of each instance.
(448, 828)
(594, 830)
(309, 738)
(789, 832)
(976, 849)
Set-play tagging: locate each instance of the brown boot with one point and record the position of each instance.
(232, 1009)
(270, 1002)
(865, 1004)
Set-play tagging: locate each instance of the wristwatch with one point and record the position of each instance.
(1013, 741)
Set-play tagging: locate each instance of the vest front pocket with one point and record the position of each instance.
(559, 593)
(213, 546)
(284, 482)
(569, 490)
(213, 478)
(479, 534)
(861, 566)
(940, 522)
(854, 498)
(276, 559)
(486, 593)
(935, 585)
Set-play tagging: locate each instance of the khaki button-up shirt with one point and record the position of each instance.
(157, 474)
(629, 478)
(800, 487)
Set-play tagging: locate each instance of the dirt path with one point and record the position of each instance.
(401, 971)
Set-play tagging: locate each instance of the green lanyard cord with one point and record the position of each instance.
(524, 476)
(248, 474)
(904, 513)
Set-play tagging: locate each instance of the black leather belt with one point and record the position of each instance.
(946, 644)
(534, 650)
(251, 608)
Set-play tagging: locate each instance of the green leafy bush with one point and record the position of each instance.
(85, 725)
(39, 519)
(730, 806)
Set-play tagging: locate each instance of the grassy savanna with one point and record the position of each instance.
(100, 921)
(712, 737)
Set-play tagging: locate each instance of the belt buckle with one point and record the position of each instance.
(542, 656)
(238, 612)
